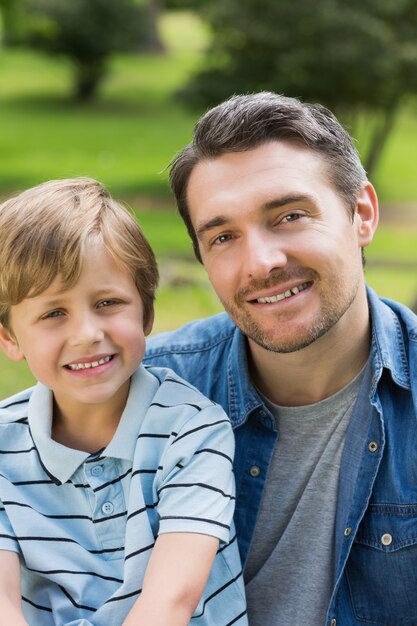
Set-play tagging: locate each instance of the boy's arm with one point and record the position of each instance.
(174, 580)
(11, 613)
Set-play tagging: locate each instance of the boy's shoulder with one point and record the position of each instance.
(15, 407)
(175, 388)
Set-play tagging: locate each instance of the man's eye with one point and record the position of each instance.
(291, 217)
(222, 239)
(105, 303)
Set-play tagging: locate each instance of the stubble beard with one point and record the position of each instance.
(332, 309)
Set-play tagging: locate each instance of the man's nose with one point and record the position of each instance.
(85, 330)
(264, 253)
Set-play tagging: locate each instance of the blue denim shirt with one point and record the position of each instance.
(376, 522)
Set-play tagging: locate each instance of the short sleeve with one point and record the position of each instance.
(196, 490)
(8, 539)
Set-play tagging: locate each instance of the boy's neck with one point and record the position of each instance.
(87, 438)
(87, 427)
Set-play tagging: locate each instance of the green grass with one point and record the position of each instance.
(124, 139)
(124, 144)
(132, 131)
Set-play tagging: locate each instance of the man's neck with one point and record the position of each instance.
(313, 373)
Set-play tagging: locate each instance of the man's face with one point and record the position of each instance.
(280, 246)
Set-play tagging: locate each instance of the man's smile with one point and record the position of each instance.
(282, 296)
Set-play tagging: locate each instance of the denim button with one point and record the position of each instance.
(372, 446)
(255, 471)
(347, 532)
(386, 539)
(107, 508)
(262, 413)
(97, 470)
(333, 622)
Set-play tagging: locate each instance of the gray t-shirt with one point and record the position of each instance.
(289, 575)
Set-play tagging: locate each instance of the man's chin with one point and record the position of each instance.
(295, 339)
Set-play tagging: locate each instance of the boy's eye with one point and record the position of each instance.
(52, 314)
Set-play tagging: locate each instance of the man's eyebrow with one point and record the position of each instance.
(275, 203)
(219, 220)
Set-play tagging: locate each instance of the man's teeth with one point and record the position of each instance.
(86, 366)
(282, 296)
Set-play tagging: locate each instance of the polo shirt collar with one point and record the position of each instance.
(61, 462)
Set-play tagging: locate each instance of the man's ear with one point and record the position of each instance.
(367, 214)
(149, 324)
(9, 345)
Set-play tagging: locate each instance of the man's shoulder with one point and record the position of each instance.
(386, 312)
(193, 337)
(199, 352)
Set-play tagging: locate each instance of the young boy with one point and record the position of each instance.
(116, 482)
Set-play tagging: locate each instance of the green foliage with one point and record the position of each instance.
(351, 56)
(13, 22)
(88, 32)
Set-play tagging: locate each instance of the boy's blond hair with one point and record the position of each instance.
(44, 232)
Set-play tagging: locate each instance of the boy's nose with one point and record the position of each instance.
(85, 331)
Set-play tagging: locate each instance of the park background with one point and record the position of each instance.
(122, 113)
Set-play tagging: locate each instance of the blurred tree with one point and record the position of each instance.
(14, 24)
(88, 32)
(155, 43)
(358, 58)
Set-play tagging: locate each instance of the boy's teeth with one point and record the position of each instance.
(86, 366)
(282, 296)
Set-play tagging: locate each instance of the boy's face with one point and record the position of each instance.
(85, 342)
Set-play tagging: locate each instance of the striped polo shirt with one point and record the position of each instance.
(85, 524)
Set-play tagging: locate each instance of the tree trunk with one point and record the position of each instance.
(380, 136)
(154, 11)
(88, 75)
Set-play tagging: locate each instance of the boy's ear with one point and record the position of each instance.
(9, 345)
(149, 324)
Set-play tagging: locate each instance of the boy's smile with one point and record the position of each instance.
(83, 342)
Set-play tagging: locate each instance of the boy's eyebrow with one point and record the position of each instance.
(275, 203)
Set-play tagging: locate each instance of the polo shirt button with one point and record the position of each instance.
(107, 508)
(97, 470)
(386, 539)
(255, 471)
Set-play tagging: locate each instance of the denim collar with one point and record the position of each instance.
(243, 398)
(387, 350)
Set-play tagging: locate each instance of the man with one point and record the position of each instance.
(318, 375)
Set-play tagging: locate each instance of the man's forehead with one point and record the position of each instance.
(282, 166)
(269, 156)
